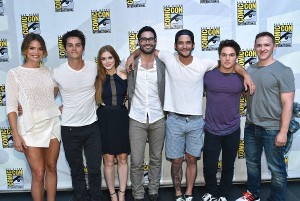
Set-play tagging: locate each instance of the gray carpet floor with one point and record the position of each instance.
(167, 193)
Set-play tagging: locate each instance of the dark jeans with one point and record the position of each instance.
(258, 139)
(87, 138)
(213, 144)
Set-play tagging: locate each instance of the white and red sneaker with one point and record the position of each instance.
(247, 196)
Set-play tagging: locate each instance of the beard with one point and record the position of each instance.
(148, 51)
(184, 55)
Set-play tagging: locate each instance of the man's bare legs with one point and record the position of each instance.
(176, 173)
(191, 173)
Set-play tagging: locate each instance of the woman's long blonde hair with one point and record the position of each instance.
(102, 72)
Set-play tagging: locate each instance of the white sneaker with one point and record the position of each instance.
(247, 196)
(189, 198)
(181, 198)
(222, 199)
(208, 197)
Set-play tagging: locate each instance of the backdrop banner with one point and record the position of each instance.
(116, 23)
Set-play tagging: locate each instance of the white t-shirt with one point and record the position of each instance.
(77, 90)
(184, 83)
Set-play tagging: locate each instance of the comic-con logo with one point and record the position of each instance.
(64, 5)
(219, 170)
(1, 8)
(283, 35)
(286, 161)
(101, 21)
(61, 49)
(241, 150)
(247, 57)
(133, 41)
(2, 95)
(7, 139)
(209, 1)
(30, 24)
(136, 3)
(246, 13)
(243, 106)
(210, 38)
(86, 175)
(173, 17)
(3, 50)
(15, 179)
(146, 172)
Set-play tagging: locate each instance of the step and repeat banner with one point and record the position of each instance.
(116, 22)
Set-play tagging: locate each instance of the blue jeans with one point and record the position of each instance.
(87, 138)
(256, 139)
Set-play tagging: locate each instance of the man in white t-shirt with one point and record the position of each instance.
(75, 81)
(183, 102)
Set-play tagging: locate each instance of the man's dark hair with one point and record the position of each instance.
(265, 33)
(146, 28)
(184, 32)
(73, 33)
(229, 43)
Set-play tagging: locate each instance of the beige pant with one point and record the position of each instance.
(138, 134)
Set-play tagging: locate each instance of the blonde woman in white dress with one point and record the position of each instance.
(36, 132)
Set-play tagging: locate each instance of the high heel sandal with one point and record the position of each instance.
(123, 194)
(112, 195)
